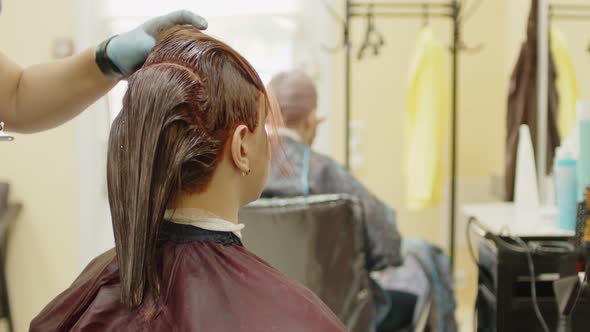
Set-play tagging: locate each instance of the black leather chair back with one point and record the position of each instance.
(318, 241)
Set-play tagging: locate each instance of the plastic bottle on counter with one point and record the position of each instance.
(583, 116)
(566, 187)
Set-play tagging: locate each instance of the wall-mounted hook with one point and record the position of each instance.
(373, 38)
(341, 21)
(462, 47)
(425, 14)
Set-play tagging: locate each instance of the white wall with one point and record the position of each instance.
(41, 168)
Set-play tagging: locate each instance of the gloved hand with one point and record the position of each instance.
(129, 50)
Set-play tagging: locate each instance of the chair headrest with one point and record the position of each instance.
(300, 201)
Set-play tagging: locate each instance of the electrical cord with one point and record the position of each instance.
(582, 286)
(533, 282)
(587, 271)
(470, 245)
(484, 274)
(522, 247)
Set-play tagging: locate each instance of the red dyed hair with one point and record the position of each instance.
(178, 113)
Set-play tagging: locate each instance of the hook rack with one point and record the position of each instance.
(425, 14)
(572, 12)
(426, 10)
(569, 12)
(373, 38)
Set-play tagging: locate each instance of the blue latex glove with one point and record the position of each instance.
(129, 50)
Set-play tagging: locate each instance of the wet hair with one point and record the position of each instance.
(179, 111)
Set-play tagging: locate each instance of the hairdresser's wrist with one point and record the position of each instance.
(104, 63)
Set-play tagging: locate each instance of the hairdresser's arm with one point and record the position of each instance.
(44, 96)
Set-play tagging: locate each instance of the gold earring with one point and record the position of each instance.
(246, 172)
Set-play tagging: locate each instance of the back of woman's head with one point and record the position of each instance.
(178, 113)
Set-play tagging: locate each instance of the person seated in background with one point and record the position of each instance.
(188, 149)
(301, 172)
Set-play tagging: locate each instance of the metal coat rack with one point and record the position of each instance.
(426, 10)
(569, 12)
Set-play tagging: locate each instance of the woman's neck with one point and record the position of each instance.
(222, 196)
(220, 208)
(220, 205)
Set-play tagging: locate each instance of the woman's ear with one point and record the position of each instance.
(310, 119)
(239, 149)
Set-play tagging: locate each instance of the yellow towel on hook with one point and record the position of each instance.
(567, 85)
(428, 110)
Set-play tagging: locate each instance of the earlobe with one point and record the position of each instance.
(239, 149)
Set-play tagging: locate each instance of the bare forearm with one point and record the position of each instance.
(47, 95)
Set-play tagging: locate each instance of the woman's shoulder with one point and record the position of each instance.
(63, 312)
(205, 286)
(248, 291)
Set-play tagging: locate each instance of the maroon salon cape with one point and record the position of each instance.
(209, 282)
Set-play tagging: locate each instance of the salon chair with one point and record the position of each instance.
(8, 215)
(316, 240)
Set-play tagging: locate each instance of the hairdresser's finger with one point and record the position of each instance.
(187, 17)
(129, 50)
(179, 17)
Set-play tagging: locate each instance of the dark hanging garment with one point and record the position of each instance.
(522, 103)
(209, 282)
